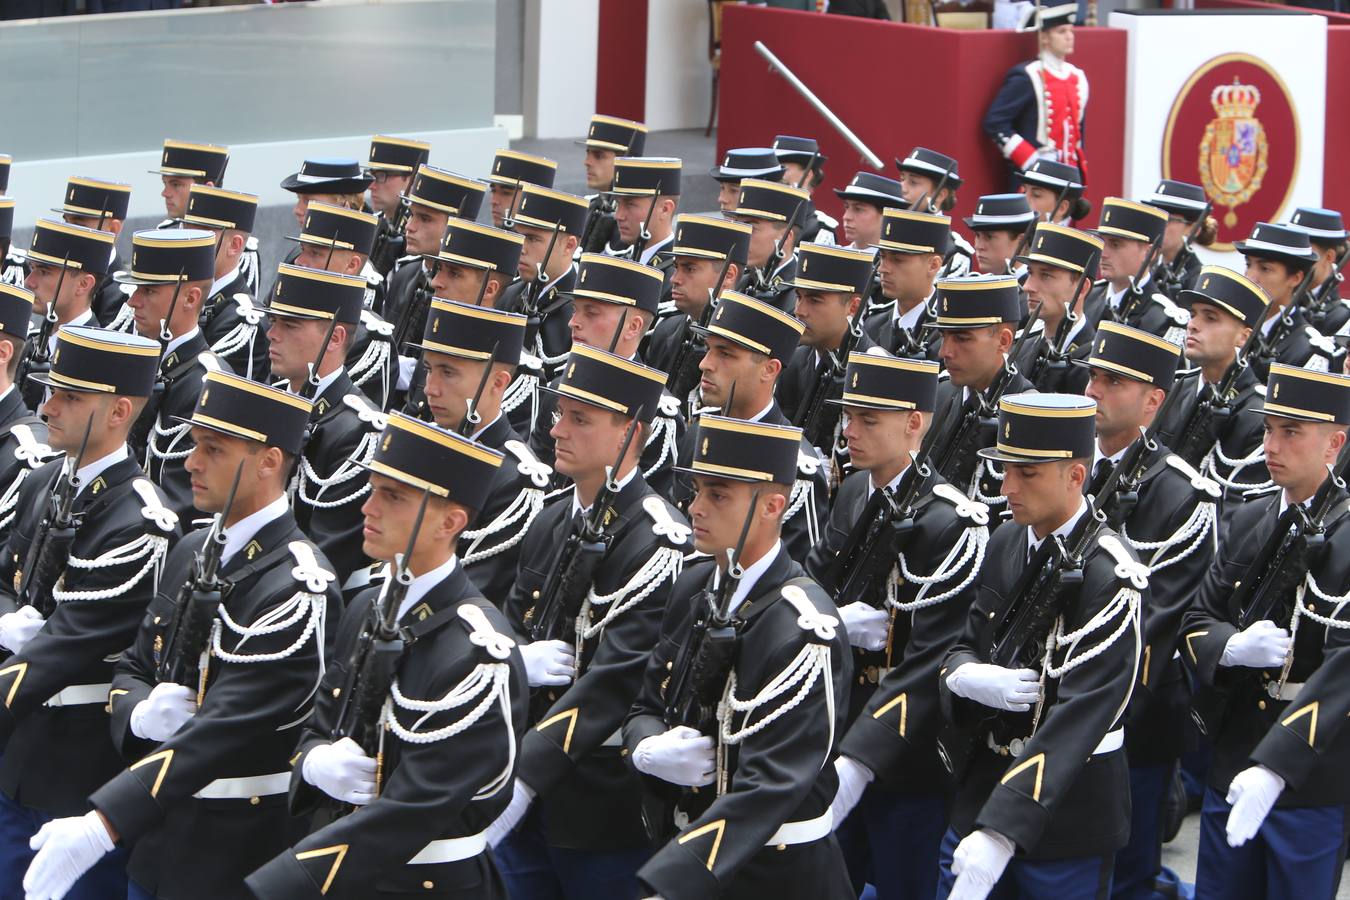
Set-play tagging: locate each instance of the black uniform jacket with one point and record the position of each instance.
(182, 372)
(23, 448)
(987, 476)
(1154, 313)
(777, 291)
(236, 329)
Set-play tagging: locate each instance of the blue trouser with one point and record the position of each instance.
(1296, 854)
(533, 870)
(1079, 878)
(891, 840)
(136, 892)
(1139, 862)
(18, 823)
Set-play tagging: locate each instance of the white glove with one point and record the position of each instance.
(18, 628)
(854, 778)
(1252, 793)
(167, 709)
(521, 798)
(680, 756)
(66, 849)
(548, 663)
(1263, 645)
(978, 864)
(342, 771)
(407, 365)
(994, 686)
(866, 626)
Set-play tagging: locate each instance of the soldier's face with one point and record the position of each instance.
(825, 315)
(1123, 404)
(599, 168)
(293, 344)
(452, 282)
(1058, 40)
(537, 245)
(1212, 335)
(972, 355)
(1121, 258)
(727, 363)
(426, 227)
(1174, 235)
(450, 383)
(691, 279)
(316, 256)
(1049, 287)
(717, 512)
(1298, 452)
(502, 197)
(43, 279)
(1039, 494)
(914, 186)
(594, 323)
(763, 236)
(390, 511)
(587, 438)
(175, 194)
(1042, 201)
(878, 438)
(1278, 280)
(150, 306)
(793, 172)
(385, 191)
(862, 223)
(907, 276)
(994, 250)
(211, 465)
(68, 414)
(630, 214)
(728, 195)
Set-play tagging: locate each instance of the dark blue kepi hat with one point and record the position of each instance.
(243, 408)
(435, 460)
(744, 451)
(1039, 428)
(97, 361)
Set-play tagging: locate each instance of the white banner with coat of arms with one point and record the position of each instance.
(1233, 101)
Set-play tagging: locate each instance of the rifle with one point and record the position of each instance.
(472, 417)
(810, 166)
(1118, 494)
(925, 200)
(684, 368)
(815, 417)
(1134, 294)
(1054, 354)
(1173, 271)
(529, 297)
(374, 659)
(143, 429)
(763, 274)
(1196, 435)
(599, 225)
(573, 571)
(1322, 297)
(1285, 321)
(644, 234)
(1031, 226)
(189, 631)
(387, 237)
(414, 312)
(51, 542)
(38, 353)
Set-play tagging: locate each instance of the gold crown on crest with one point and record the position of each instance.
(1235, 101)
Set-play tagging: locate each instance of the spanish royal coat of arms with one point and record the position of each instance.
(1234, 149)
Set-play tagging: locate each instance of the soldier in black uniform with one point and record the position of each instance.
(209, 745)
(574, 826)
(977, 318)
(231, 322)
(1179, 266)
(338, 239)
(171, 273)
(773, 211)
(930, 181)
(1055, 191)
(440, 770)
(1041, 772)
(1129, 231)
(704, 249)
(23, 435)
(999, 225)
(12, 269)
(80, 599)
(1280, 259)
(1224, 308)
(804, 167)
(747, 764)
(1326, 231)
(393, 162)
(1172, 528)
(102, 206)
(66, 264)
(1061, 263)
(512, 170)
(607, 139)
(749, 342)
(551, 222)
(646, 194)
(908, 263)
(1273, 823)
(900, 629)
(461, 341)
(306, 309)
(737, 165)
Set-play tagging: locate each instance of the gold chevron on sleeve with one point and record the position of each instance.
(568, 714)
(165, 759)
(716, 829)
(337, 851)
(1039, 762)
(1311, 712)
(1190, 647)
(903, 702)
(18, 670)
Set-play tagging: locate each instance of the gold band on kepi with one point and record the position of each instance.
(753, 324)
(431, 459)
(885, 382)
(977, 302)
(1064, 248)
(744, 451)
(1037, 428)
(90, 198)
(1296, 393)
(1136, 354)
(511, 168)
(74, 246)
(16, 310)
(477, 246)
(706, 237)
(447, 192)
(401, 156)
(6, 218)
(616, 135)
(97, 361)
(769, 200)
(244, 408)
(167, 256)
(210, 207)
(646, 176)
(610, 279)
(471, 332)
(832, 269)
(201, 162)
(339, 227)
(1130, 220)
(1235, 294)
(539, 207)
(906, 231)
(302, 293)
(610, 382)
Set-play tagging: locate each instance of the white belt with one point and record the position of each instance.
(451, 850)
(803, 832)
(1113, 740)
(614, 740)
(80, 695)
(1289, 691)
(246, 787)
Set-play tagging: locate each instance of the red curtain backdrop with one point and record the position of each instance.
(621, 64)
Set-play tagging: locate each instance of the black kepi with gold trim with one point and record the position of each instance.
(1134, 221)
(907, 231)
(395, 154)
(90, 198)
(211, 207)
(744, 451)
(1235, 294)
(1136, 354)
(243, 408)
(610, 382)
(16, 310)
(77, 247)
(707, 237)
(622, 136)
(1037, 428)
(302, 293)
(977, 302)
(471, 332)
(98, 361)
(512, 168)
(166, 256)
(885, 382)
(1297, 393)
(447, 192)
(753, 324)
(6, 161)
(327, 225)
(540, 207)
(6, 218)
(477, 246)
(646, 176)
(431, 459)
(200, 162)
(610, 279)
(770, 200)
(821, 267)
(1064, 248)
